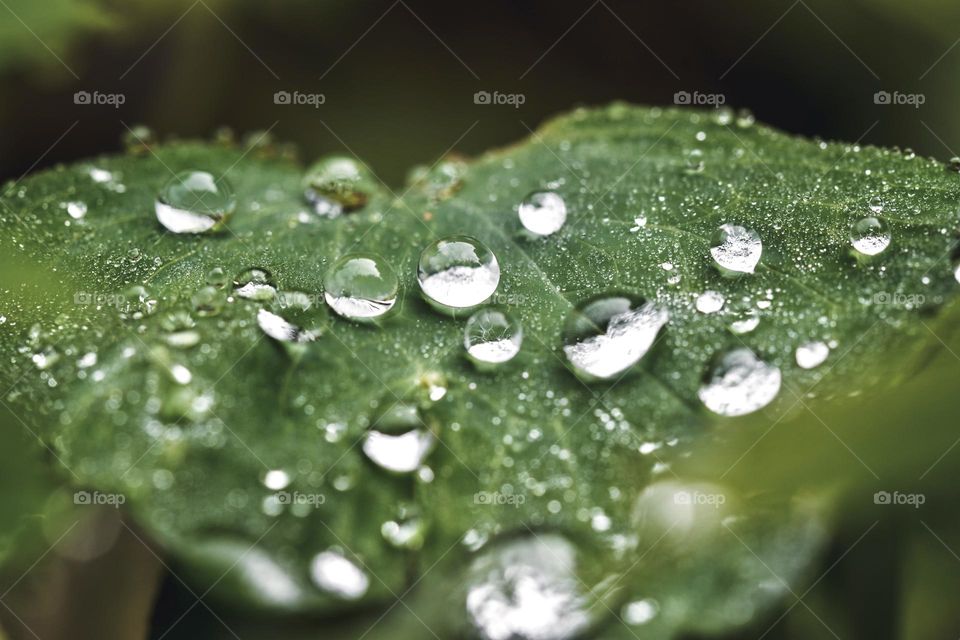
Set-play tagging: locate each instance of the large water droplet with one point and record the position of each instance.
(812, 354)
(736, 249)
(542, 213)
(607, 335)
(361, 286)
(458, 273)
(870, 235)
(739, 383)
(399, 441)
(527, 589)
(338, 576)
(341, 180)
(254, 284)
(492, 337)
(292, 316)
(195, 202)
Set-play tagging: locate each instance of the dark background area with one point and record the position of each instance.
(399, 77)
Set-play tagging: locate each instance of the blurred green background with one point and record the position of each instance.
(398, 80)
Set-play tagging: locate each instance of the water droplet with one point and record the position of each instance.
(139, 302)
(710, 302)
(492, 337)
(399, 441)
(442, 181)
(207, 301)
(458, 273)
(812, 354)
(361, 286)
(607, 335)
(405, 533)
(254, 284)
(217, 277)
(870, 235)
(138, 139)
(338, 576)
(745, 118)
(76, 209)
(195, 202)
(527, 589)
(542, 213)
(276, 479)
(747, 321)
(292, 317)
(640, 611)
(954, 165)
(179, 330)
(736, 249)
(956, 271)
(338, 179)
(739, 383)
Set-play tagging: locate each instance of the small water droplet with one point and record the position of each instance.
(361, 286)
(492, 337)
(458, 273)
(76, 209)
(607, 335)
(739, 383)
(710, 302)
(407, 533)
(338, 576)
(292, 317)
(640, 611)
(736, 249)
(276, 479)
(441, 181)
(542, 213)
(138, 302)
(195, 202)
(217, 277)
(179, 330)
(338, 179)
(138, 139)
(208, 301)
(254, 284)
(812, 354)
(870, 235)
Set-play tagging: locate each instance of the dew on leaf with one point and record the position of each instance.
(208, 301)
(76, 209)
(458, 273)
(607, 335)
(254, 284)
(736, 249)
(492, 337)
(343, 182)
(739, 383)
(811, 354)
(710, 302)
(361, 287)
(195, 202)
(870, 235)
(338, 576)
(542, 213)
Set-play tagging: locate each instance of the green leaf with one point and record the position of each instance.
(186, 434)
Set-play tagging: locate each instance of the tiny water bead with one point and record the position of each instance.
(870, 235)
(812, 354)
(340, 181)
(606, 336)
(338, 576)
(710, 302)
(739, 383)
(361, 287)
(542, 213)
(195, 202)
(76, 209)
(492, 337)
(458, 273)
(736, 249)
(254, 284)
